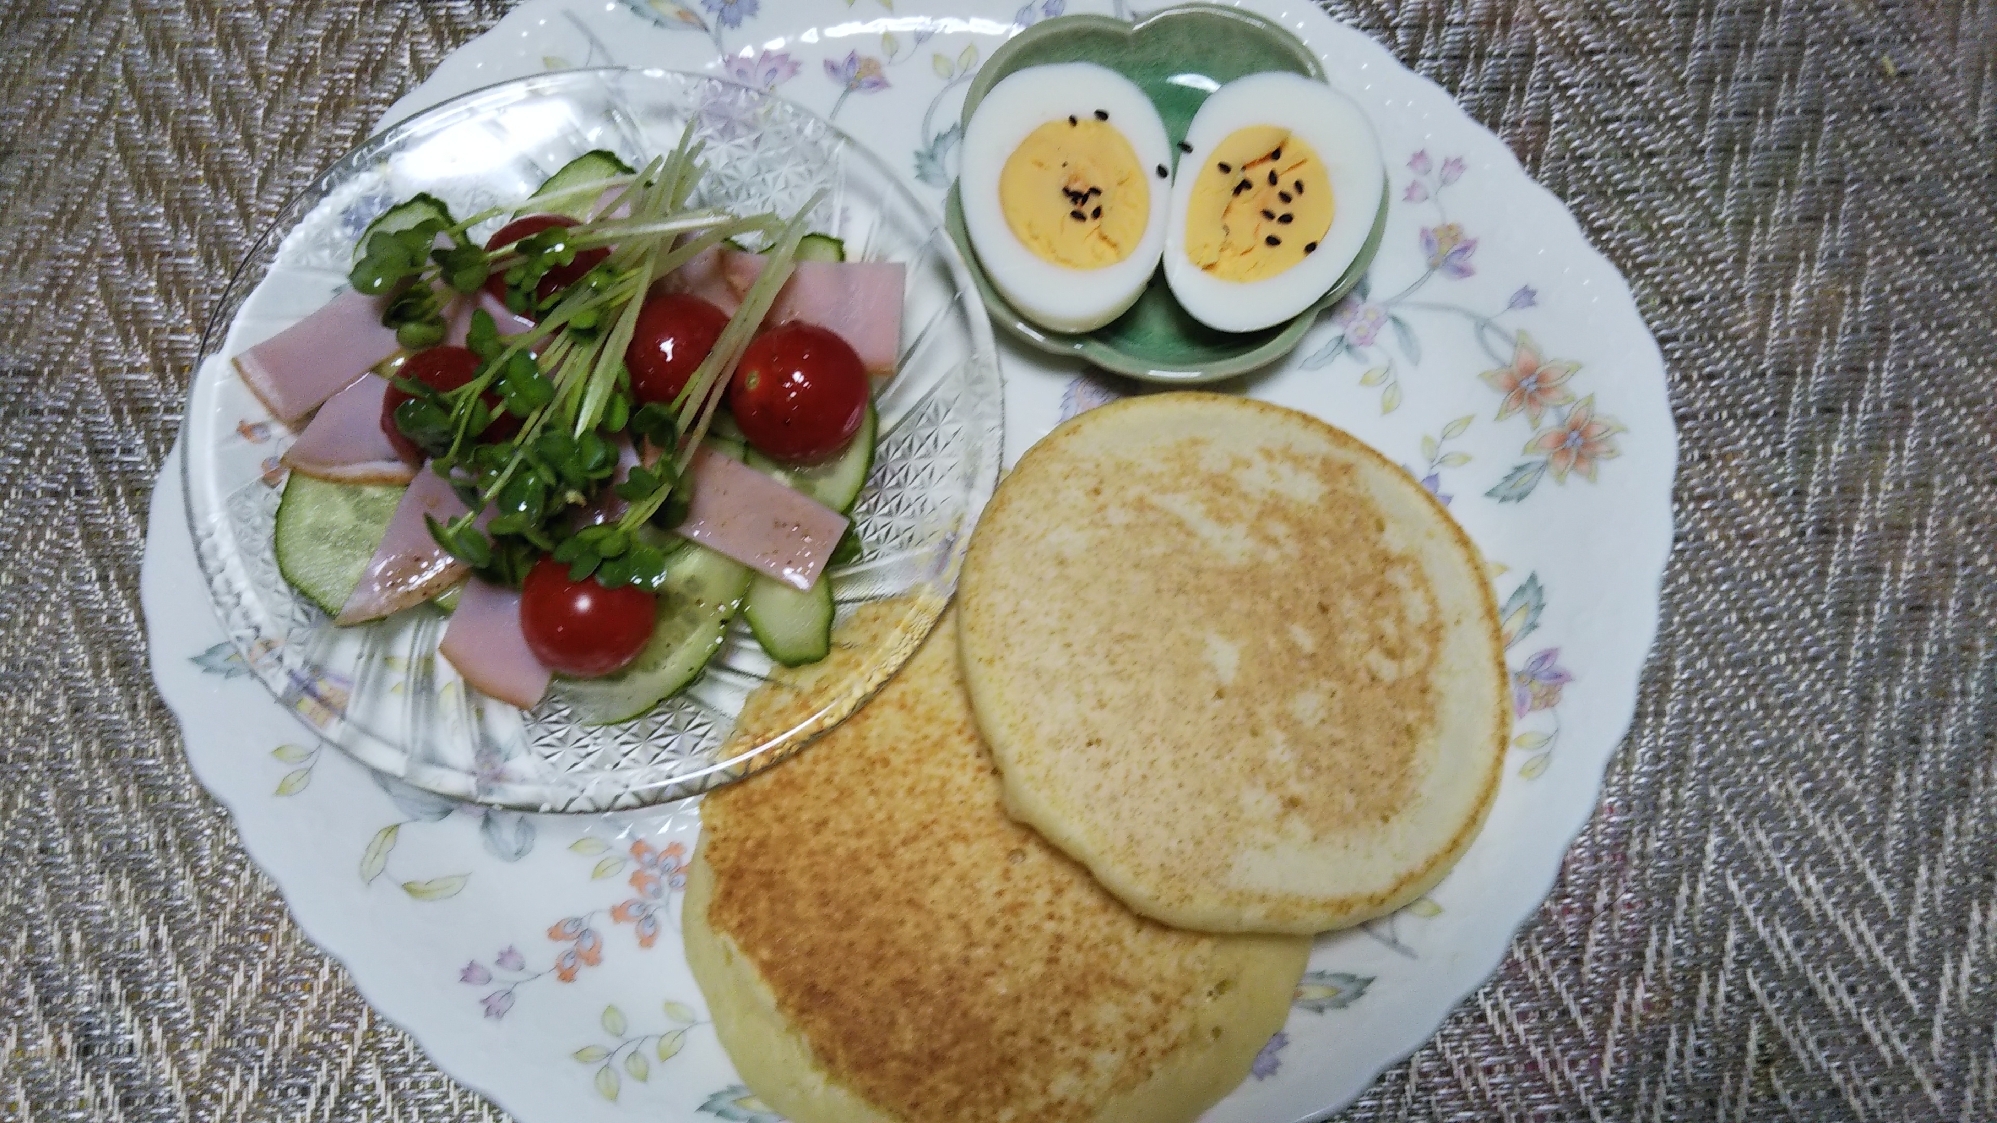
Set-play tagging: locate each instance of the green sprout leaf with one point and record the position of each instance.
(425, 423)
(613, 573)
(654, 422)
(417, 335)
(645, 567)
(482, 337)
(643, 483)
(595, 456)
(523, 386)
(673, 511)
(467, 543)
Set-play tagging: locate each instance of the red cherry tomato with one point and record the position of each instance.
(558, 278)
(581, 628)
(800, 393)
(440, 368)
(675, 332)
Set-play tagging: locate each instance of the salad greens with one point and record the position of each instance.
(564, 379)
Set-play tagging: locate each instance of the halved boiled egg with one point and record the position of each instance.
(1065, 186)
(1275, 198)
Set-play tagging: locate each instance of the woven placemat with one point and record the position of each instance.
(1785, 908)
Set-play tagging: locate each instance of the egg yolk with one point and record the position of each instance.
(1074, 193)
(1260, 204)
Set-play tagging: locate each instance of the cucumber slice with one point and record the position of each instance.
(731, 446)
(326, 533)
(809, 248)
(812, 247)
(821, 247)
(837, 482)
(701, 594)
(586, 168)
(795, 628)
(723, 427)
(419, 208)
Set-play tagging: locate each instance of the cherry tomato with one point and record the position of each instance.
(558, 278)
(675, 332)
(581, 628)
(800, 393)
(440, 368)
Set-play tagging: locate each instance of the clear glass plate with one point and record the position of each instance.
(380, 692)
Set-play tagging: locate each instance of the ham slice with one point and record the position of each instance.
(313, 359)
(345, 442)
(861, 300)
(294, 371)
(485, 644)
(408, 567)
(719, 275)
(745, 515)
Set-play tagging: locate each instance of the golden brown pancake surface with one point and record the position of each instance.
(936, 960)
(1234, 661)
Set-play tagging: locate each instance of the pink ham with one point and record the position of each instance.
(744, 514)
(345, 441)
(313, 359)
(719, 275)
(408, 567)
(861, 300)
(485, 644)
(292, 372)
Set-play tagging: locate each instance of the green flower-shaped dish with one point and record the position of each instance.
(1177, 56)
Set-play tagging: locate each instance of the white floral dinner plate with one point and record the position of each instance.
(1492, 352)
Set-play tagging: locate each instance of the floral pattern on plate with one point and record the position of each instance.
(1492, 353)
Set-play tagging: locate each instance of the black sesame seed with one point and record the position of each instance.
(1162, 173)
(1272, 179)
(1184, 147)
(1273, 240)
(1300, 187)
(1097, 213)
(1224, 169)
(1283, 195)
(1266, 213)
(1072, 120)
(1242, 186)
(1310, 247)
(1276, 155)
(1078, 216)
(1102, 114)
(1284, 219)
(1094, 191)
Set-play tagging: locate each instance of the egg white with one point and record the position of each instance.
(1331, 124)
(1055, 296)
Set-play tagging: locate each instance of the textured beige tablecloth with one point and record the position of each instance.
(1785, 908)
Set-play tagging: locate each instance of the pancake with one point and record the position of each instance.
(877, 941)
(1239, 665)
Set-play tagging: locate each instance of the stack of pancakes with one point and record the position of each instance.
(1220, 678)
